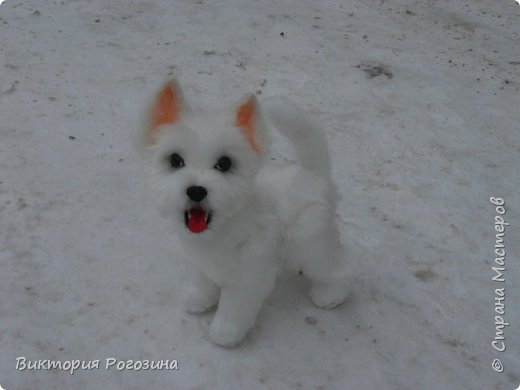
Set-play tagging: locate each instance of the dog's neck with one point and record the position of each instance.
(239, 227)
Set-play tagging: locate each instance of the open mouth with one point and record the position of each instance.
(197, 219)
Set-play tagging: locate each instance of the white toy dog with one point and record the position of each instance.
(239, 218)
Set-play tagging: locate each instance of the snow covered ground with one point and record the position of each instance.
(421, 104)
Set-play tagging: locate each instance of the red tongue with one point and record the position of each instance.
(197, 220)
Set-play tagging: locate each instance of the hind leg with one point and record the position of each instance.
(322, 259)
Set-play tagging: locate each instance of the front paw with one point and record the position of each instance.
(196, 303)
(328, 296)
(226, 333)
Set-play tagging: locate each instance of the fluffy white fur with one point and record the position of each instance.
(263, 216)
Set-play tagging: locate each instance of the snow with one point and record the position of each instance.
(420, 103)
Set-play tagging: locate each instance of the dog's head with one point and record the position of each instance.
(204, 165)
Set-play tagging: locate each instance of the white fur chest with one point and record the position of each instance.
(244, 246)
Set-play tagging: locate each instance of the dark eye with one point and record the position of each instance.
(176, 161)
(223, 164)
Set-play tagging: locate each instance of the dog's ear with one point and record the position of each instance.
(249, 119)
(166, 108)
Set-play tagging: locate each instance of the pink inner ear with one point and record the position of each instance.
(166, 108)
(245, 119)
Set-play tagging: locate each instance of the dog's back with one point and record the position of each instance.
(303, 193)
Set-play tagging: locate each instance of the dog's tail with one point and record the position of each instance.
(306, 138)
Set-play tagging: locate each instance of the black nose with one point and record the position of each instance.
(196, 193)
